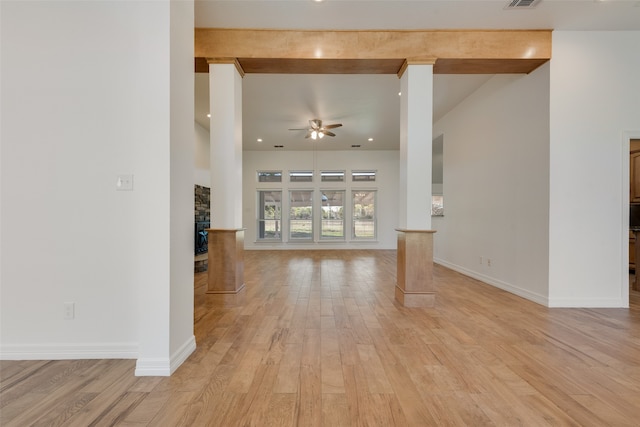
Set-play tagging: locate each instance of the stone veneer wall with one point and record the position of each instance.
(202, 212)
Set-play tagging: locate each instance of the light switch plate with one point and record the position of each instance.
(124, 183)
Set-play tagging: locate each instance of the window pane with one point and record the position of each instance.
(332, 226)
(363, 176)
(364, 215)
(301, 215)
(300, 176)
(332, 176)
(437, 206)
(269, 176)
(269, 215)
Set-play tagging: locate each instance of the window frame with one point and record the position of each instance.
(321, 216)
(268, 173)
(303, 174)
(374, 220)
(332, 173)
(368, 173)
(261, 220)
(311, 220)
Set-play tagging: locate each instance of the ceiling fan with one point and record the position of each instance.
(317, 131)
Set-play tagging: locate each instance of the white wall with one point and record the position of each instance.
(595, 108)
(386, 184)
(496, 188)
(85, 97)
(201, 157)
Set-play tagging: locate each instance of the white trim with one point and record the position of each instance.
(68, 351)
(627, 136)
(153, 367)
(531, 296)
(183, 353)
(164, 367)
(588, 302)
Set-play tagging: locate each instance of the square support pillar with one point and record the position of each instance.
(414, 286)
(226, 261)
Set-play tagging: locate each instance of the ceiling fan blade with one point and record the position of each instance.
(333, 126)
(300, 129)
(308, 135)
(326, 132)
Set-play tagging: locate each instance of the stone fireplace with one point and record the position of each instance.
(202, 217)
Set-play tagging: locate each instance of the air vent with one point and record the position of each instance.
(522, 4)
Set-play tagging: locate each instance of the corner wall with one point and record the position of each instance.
(496, 187)
(595, 108)
(79, 106)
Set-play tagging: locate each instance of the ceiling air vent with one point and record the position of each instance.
(522, 4)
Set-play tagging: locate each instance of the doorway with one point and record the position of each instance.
(633, 231)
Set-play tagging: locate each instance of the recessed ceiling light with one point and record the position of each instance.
(209, 115)
(399, 93)
(259, 140)
(370, 139)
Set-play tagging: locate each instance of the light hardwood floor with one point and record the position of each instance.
(317, 340)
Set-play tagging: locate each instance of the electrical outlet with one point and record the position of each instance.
(69, 310)
(488, 262)
(124, 183)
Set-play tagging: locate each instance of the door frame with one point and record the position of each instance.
(627, 136)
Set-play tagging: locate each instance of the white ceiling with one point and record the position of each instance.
(368, 105)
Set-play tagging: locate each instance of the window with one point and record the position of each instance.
(300, 176)
(364, 214)
(332, 176)
(301, 215)
(332, 223)
(437, 205)
(270, 215)
(360, 176)
(269, 176)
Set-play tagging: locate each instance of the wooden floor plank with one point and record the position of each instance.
(330, 362)
(335, 410)
(317, 339)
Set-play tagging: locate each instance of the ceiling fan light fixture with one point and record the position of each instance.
(317, 130)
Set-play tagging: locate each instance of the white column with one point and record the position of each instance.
(414, 286)
(226, 236)
(225, 98)
(416, 123)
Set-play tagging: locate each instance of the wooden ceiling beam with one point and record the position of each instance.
(374, 52)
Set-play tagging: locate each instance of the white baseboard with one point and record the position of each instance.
(531, 296)
(183, 353)
(68, 351)
(153, 367)
(588, 303)
(164, 367)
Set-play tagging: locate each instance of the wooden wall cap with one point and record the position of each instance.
(233, 61)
